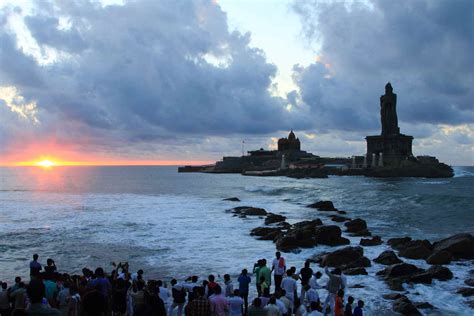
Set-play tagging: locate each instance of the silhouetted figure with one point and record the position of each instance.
(36, 292)
(388, 112)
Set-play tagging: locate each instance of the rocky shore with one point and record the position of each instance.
(458, 248)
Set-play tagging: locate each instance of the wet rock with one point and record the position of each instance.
(249, 211)
(232, 199)
(342, 212)
(440, 257)
(355, 271)
(339, 219)
(362, 233)
(395, 243)
(392, 296)
(266, 233)
(323, 206)
(440, 273)
(308, 224)
(469, 282)
(399, 270)
(274, 218)
(356, 225)
(284, 225)
(460, 245)
(318, 258)
(470, 304)
(416, 249)
(466, 291)
(424, 305)
(404, 306)
(374, 241)
(424, 277)
(330, 235)
(388, 257)
(342, 257)
(395, 284)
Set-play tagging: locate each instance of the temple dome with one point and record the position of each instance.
(291, 136)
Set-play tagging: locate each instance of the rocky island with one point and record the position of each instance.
(388, 155)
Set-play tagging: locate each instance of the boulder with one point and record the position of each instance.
(416, 249)
(466, 291)
(440, 257)
(388, 257)
(355, 271)
(469, 282)
(232, 199)
(392, 296)
(330, 235)
(342, 256)
(249, 211)
(323, 206)
(400, 270)
(424, 305)
(374, 241)
(339, 219)
(287, 243)
(308, 224)
(284, 225)
(424, 277)
(395, 284)
(404, 306)
(460, 245)
(362, 233)
(395, 243)
(274, 218)
(266, 233)
(440, 273)
(356, 225)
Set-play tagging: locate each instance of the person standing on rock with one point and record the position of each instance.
(278, 269)
(333, 286)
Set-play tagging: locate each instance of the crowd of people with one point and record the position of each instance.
(289, 292)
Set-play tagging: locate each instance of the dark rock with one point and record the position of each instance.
(466, 291)
(471, 272)
(318, 258)
(399, 270)
(392, 296)
(232, 199)
(249, 211)
(395, 284)
(395, 243)
(361, 262)
(342, 212)
(416, 249)
(440, 257)
(266, 233)
(342, 256)
(424, 305)
(274, 218)
(287, 243)
(388, 257)
(308, 224)
(440, 273)
(362, 233)
(470, 304)
(357, 286)
(330, 235)
(284, 225)
(323, 206)
(355, 271)
(469, 282)
(404, 306)
(424, 277)
(460, 245)
(356, 225)
(374, 241)
(339, 219)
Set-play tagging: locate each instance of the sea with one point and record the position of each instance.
(173, 225)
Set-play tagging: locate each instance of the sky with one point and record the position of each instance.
(177, 82)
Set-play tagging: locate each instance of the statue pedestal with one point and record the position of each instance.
(394, 148)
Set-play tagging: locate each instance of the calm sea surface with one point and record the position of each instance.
(174, 225)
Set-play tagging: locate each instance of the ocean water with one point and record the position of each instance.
(176, 224)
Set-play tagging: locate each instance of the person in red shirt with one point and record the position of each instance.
(339, 306)
(211, 285)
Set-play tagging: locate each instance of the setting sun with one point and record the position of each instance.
(45, 163)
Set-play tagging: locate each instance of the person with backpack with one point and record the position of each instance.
(179, 298)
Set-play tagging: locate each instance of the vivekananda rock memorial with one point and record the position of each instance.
(388, 155)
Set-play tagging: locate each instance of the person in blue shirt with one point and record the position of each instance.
(244, 281)
(358, 310)
(35, 267)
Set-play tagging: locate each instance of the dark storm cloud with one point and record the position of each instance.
(146, 69)
(424, 48)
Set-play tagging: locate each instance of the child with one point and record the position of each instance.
(263, 284)
(339, 306)
(348, 308)
(358, 309)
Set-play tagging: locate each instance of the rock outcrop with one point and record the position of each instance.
(357, 227)
(274, 218)
(388, 257)
(232, 199)
(374, 241)
(323, 206)
(249, 211)
(461, 246)
(404, 306)
(266, 233)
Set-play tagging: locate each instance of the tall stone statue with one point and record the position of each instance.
(388, 112)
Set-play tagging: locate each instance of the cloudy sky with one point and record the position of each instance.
(187, 81)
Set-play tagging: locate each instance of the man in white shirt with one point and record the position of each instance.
(314, 283)
(272, 307)
(289, 285)
(278, 268)
(236, 304)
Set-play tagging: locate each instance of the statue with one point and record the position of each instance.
(388, 112)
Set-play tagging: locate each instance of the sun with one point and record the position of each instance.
(45, 163)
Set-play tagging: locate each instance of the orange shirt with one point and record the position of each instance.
(339, 307)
